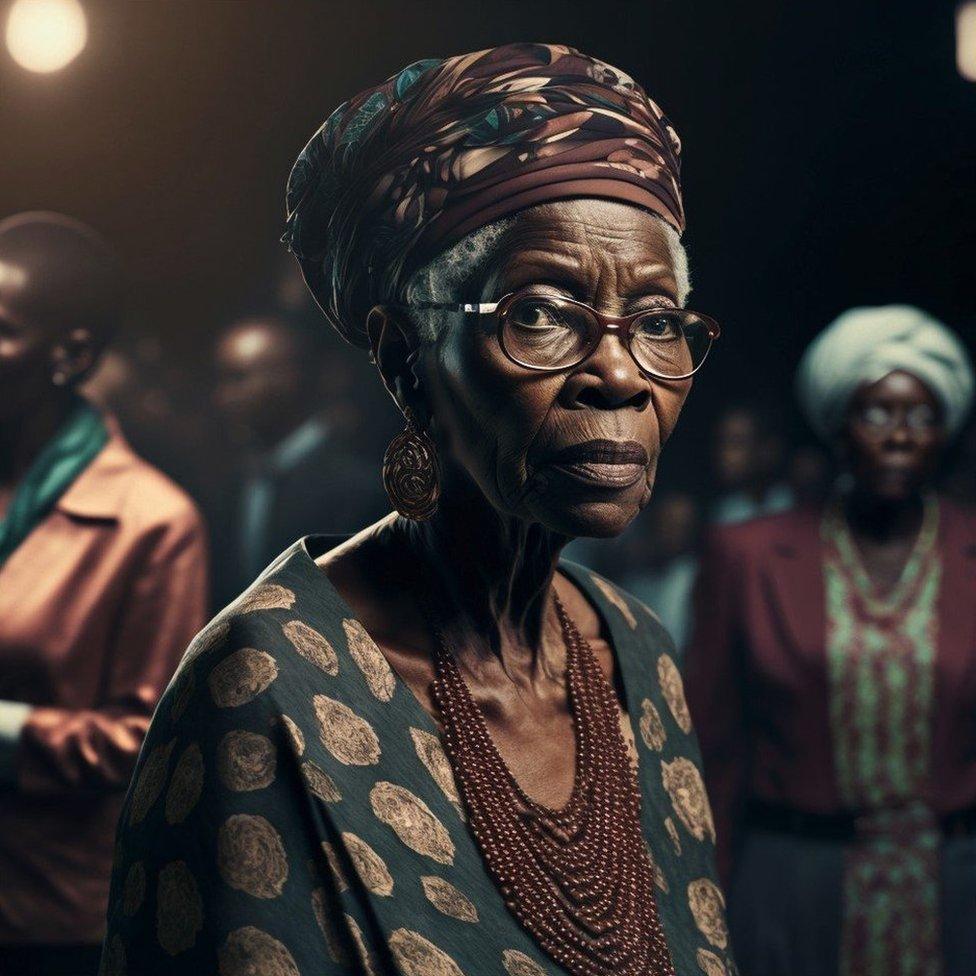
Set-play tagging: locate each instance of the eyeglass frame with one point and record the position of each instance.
(605, 324)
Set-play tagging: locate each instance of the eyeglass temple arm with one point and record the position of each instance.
(480, 308)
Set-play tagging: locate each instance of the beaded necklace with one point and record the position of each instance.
(579, 879)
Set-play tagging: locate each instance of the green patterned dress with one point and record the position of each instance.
(293, 811)
(881, 653)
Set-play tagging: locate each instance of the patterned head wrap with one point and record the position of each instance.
(864, 345)
(407, 168)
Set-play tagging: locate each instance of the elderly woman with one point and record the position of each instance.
(832, 676)
(414, 752)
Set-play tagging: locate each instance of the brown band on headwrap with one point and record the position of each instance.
(405, 169)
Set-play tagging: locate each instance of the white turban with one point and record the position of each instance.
(864, 345)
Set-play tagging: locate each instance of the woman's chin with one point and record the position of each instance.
(593, 518)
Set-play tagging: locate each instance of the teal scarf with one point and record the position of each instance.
(71, 450)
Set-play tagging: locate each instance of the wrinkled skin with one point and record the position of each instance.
(490, 552)
(501, 423)
(891, 467)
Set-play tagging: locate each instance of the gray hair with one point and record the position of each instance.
(446, 278)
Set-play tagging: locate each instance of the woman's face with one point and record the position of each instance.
(894, 436)
(510, 430)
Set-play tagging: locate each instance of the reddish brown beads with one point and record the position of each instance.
(578, 879)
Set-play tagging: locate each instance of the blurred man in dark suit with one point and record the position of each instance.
(278, 392)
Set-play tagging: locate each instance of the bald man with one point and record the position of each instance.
(103, 582)
(282, 397)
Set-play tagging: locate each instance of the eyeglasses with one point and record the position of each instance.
(879, 420)
(550, 332)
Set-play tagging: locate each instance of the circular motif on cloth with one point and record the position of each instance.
(370, 867)
(630, 743)
(349, 737)
(431, 753)
(370, 660)
(179, 910)
(707, 906)
(412, 821)
(362, 950)
(447, 899)
(246, 761)
(660, 881)
(251, 952)
(651, 727)
(185, 785)
(208, 638)
(673, 690)
(416, 956)
(341, 881)
(149, 782)
(134, 889)
(710, 964)
(241, 676)
(294, 733)
(113, 958)
(320, 782)
(329, 927)
(267, 596)
(519, 964)
(251, 856)
(613, 596)
(184, 685)
(312, 646)
(673, 834)
(684, 785)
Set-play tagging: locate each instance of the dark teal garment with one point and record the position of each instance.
(69, 452)
(293, 811)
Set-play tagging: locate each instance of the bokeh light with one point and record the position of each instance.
(966, 40)
(46, 35)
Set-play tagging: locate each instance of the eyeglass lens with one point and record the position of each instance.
(544, 332)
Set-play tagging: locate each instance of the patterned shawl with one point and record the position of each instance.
(407, 168)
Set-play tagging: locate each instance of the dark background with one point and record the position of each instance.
(829, 152)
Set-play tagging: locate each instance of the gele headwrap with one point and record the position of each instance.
(407, 168)
(864, 345)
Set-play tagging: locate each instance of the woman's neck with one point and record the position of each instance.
(23, 438)
(492, 575)
(882, 520)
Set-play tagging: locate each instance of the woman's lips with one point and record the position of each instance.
(603, 474)
(602, 463)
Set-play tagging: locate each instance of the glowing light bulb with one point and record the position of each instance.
(966, 40)
(46, 35)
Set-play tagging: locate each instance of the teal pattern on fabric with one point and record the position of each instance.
(293, 812)
(881, 656)
(69, 452)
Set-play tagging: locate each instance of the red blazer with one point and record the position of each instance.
(756, 673)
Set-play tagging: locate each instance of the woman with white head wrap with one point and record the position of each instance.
(832, 677)
(864, 345)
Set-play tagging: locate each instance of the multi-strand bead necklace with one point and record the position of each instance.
(578, 879)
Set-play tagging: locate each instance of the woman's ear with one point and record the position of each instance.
(395, 351)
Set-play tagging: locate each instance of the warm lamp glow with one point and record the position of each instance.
(966, 40)
(45, 35)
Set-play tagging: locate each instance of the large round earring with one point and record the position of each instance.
(410, 473)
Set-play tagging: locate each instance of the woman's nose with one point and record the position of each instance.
(609, 378)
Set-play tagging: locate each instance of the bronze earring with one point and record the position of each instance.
(410, 473)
